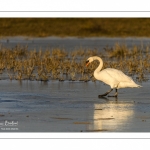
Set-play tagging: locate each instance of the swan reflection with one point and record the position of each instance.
(112, 115)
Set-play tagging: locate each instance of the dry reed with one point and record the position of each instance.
(57, 64)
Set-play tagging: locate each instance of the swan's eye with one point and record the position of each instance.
(87, 61)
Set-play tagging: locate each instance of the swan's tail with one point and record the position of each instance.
(134, 85)
(128, 84)
(139, 86)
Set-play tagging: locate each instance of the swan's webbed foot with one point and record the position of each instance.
(104, 97)
(105, 94)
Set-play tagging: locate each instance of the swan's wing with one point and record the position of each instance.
(107, 76)
(118, 75)
(116, 78)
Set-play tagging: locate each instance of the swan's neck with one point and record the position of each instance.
(98, 69)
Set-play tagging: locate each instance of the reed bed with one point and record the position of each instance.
(19, 63)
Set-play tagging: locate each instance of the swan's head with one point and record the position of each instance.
(89, 60)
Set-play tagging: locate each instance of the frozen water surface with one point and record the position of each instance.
(67, 106)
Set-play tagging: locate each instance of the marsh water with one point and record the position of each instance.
(71, 106)
(71, 43)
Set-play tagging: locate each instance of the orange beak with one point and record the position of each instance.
(87, 63)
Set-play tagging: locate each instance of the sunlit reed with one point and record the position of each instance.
(57, 64)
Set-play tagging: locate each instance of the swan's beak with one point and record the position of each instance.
(87, 63)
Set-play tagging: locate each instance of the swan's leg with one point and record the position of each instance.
(105, 93)
(116, 94)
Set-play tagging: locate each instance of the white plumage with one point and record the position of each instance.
(113, 77)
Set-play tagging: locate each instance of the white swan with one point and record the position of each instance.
(113, 77)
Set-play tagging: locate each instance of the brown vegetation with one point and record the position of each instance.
(21, 64)
(79, 27)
